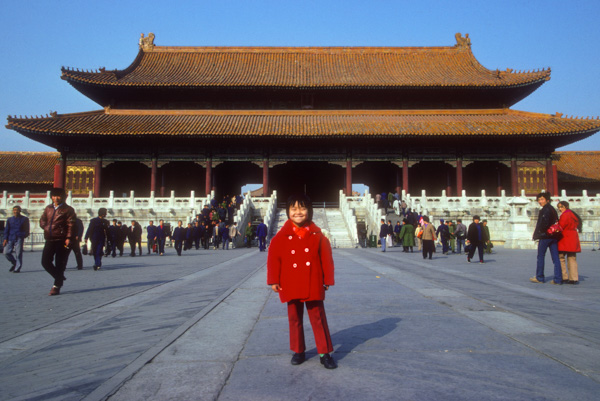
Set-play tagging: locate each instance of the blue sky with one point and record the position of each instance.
(38, 37)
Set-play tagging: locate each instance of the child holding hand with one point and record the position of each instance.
(300, 268)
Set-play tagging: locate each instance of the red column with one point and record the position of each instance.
(349, 176)
(97, 177)
(459, 177)
(549, 177)
(153, 169)
(208, 185)
(60, 172)
(514, 177)
(555, 180)
(405, 175)
(266, 177)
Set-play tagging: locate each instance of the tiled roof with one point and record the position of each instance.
(578, 166)
(28, 167)
(307, 67)
(306, 123)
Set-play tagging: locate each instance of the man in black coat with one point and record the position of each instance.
(134, 235)
(383, 232)
(477, 238)
(547, 216)
(97, 232)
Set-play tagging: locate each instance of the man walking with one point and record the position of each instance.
(460, 233)
(15, 232)
(134, 234)
(58, 223)
(383, 232)
(151, 234)
(261, 233)
(98, 232)
(547, 216)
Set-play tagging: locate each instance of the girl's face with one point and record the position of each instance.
(298, 214)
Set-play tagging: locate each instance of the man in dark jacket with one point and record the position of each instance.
(134, 235)
(15, 232)
(444, 235)
(179, 236)
(383, 232)
(262, 232)
(98, 232)
(76, 244)
(547, 216)
(476, 238)
(114, 237)
(151, 235)
(58, 223)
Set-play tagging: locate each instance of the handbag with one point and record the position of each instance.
(420, 234)
(84, 249)
(388, 241)
(554, 230)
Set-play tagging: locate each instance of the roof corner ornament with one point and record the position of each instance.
(462, 42)
(147, 43)
(53, 114)
(107, 109)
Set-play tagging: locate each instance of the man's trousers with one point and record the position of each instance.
(318, 321)
(17, 247)
(54, 260)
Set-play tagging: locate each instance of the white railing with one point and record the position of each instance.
(271, 210)
(349, 217)
(373, 214)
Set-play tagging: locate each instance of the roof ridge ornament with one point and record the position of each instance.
(147, 43)
(462, 42)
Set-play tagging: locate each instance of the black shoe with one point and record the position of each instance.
(328, 362)
(95, 267)
(17, 271)
(298, 358)
(12, 269)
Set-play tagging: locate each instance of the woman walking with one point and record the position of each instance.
(568, 245)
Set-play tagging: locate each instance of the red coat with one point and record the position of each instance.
(301, 266)
(569, 241)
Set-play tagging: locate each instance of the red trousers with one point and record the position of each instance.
(318, 321)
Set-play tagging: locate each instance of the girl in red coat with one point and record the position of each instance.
(300, 269)
(568, 245)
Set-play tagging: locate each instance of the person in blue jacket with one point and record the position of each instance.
(261, 233)
(161, 234)
(151, 230)
(15, 232)
(178, 237)
(97, 232)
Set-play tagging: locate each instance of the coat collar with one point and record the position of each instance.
(288, 228)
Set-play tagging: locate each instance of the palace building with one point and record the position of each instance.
(313, 119)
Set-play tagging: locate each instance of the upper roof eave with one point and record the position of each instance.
(306, 67)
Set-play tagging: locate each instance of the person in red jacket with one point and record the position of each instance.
(568, 245)
(300, 269)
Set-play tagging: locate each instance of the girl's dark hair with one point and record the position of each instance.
(579, 221)
(302, 200)
(426, 219)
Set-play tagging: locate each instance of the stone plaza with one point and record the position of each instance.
(205, 326)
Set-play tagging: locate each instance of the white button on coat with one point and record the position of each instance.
(293, 251)
(307, 263)
(295, 265)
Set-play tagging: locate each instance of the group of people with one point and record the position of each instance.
(417, 229)
(561, 237)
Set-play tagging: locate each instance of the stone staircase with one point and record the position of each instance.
(330, 220)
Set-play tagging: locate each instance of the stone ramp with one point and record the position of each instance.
(330, 220)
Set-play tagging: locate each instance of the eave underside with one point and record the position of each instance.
(391, 131)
